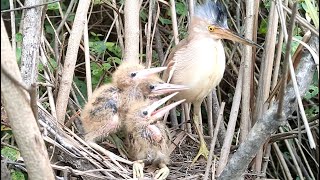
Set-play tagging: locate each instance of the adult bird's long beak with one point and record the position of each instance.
(156, 114)
(225, 33)
(141, 74)
(165, 88)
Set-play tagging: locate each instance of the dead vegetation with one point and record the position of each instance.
(68, 68)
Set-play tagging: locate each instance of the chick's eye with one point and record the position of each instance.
(210, 28)
(145, 113)
(151, 86)
(133, 74)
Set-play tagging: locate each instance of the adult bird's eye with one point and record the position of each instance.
(145, 113)
(210, 28)
(133, 74)
(151, 87)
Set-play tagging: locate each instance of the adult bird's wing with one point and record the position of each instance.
(170, 63)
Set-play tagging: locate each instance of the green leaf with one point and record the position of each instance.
(114, 48)
(181, 9)
(143, 15)
(53, 6)
(97, 47)
(267, 4)
(313, 111)
(48, 28)
(5, 5)
(114, 60)
(10, 153)
(19, 37)
(18, 175)
(97, 2)
(312, 92)
(263, 27)
(165, 21)
(294, 45)
(312, 11)
(52, 64)
(106, 66)
(18, 55)
(71, 16)
(83, 89)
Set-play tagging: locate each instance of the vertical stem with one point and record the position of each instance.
(87, 59)
(247, 60)
(286, 60)
(231, 125)
(174, 21)
(131, 29)
(13, 29)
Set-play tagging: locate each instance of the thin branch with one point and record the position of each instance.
(286, 60)
(213, 141)
(225, 150)
(29, 7)
(87, 60)
(71, 59)
(174, 21)
(248, 70)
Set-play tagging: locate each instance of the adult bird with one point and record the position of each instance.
(147, 139)
(199, 60)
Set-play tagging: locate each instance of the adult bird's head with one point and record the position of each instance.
(210, 19)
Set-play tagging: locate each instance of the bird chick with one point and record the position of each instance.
(100, 115)
(149, 88)
(147, 139)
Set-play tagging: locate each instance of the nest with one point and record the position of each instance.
(76, 159)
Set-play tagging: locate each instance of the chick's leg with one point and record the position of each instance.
(137, 169)
(203, 150)
(163, 172)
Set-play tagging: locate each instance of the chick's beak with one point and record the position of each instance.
(164, 88)
(147, 72)
(228, 34)
(156, 114)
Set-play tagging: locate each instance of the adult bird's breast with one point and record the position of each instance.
(200, 66)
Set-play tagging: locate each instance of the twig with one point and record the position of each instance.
(174, 21)
(286, 59)
(282, 161)
(71, 58)
(293, 157)
(87, 59)
(225, 150)
(148, 34)
(247, 74)
(213, 141)
(49, 89)
(118, 27)
(278, 58)
(265, 74)
(13, 29)
(29, 7)
(209, 114)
